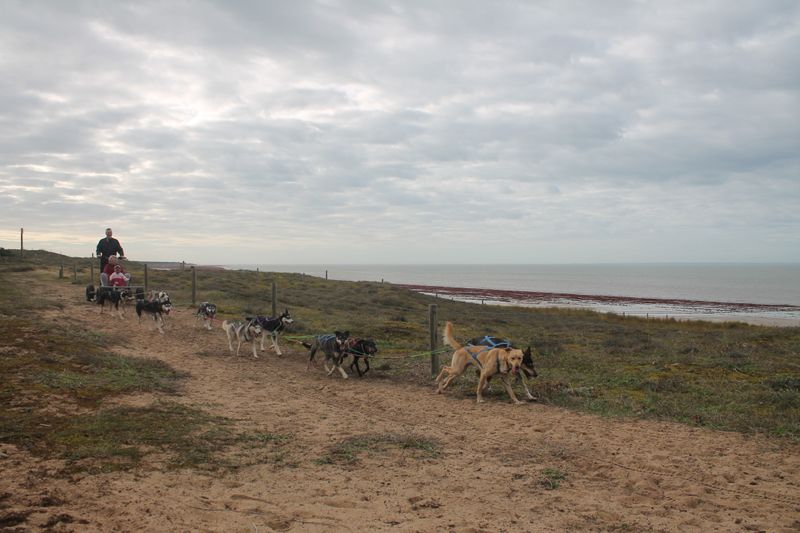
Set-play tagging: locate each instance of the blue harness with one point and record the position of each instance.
(475, 355)
(487, 343)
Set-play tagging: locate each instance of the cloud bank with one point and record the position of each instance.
(403, 132)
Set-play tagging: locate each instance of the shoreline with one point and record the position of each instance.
(679, 309)
(536, 296)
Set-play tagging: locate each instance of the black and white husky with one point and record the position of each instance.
(242, 331)
(207, 312)
(333, 346)
(156, 308)
(116, 299)
(272, 327)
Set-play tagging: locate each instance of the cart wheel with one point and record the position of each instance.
(91, 293)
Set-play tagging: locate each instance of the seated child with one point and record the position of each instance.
(118, 278)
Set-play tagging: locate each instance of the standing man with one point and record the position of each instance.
(107, 247)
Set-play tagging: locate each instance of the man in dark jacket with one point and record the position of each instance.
(107, 247)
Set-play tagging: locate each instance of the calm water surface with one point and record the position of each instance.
(740, 283)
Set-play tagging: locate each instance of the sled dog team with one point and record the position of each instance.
(490, 356)
(155, 305)
(335, 346)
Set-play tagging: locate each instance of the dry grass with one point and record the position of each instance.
(729, 376)
(56, 377)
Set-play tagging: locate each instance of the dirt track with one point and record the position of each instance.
(620, 475)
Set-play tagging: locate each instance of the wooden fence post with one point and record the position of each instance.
(91, 270)
(274, 299)
(21, 247)
(145, 278)
(61, 271)
(194, 285)
(75, 266)
(434, 340)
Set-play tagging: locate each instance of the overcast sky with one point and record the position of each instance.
(403, 131)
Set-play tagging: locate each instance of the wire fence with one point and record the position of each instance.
(417, 334)
(186, 285)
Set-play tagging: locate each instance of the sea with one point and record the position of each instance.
(773, 290)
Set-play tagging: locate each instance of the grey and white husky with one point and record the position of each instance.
(333, 346)
(242, 331)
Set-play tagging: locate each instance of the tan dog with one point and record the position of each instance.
(489, 362)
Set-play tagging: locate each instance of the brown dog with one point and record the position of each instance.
(504, 362)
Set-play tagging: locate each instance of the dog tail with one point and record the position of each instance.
(306, 344)
(448, 338)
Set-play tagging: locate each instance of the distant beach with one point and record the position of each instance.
(767, 294)
(757, 314)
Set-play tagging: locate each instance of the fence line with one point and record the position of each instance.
(437, 312)
(433, 351)
(492, 312)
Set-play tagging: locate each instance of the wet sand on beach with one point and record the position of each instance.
(756, 314)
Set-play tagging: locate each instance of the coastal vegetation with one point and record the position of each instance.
(726, 376)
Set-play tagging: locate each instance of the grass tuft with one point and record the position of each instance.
(348, 450)
(119, 438)
(551, 478)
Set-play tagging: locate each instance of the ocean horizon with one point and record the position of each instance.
(753, 283)
(761, 284)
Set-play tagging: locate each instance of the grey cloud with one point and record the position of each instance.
(533, 123)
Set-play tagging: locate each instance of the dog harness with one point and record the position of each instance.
(498, 366)
(247, 330)
(489, 341)
(354, 350)
(273, 325)
(476, 354)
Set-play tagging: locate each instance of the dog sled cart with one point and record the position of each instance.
(135, 291)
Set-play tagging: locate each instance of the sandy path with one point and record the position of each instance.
(620, 475)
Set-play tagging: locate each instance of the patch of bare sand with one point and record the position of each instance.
(617, 474)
